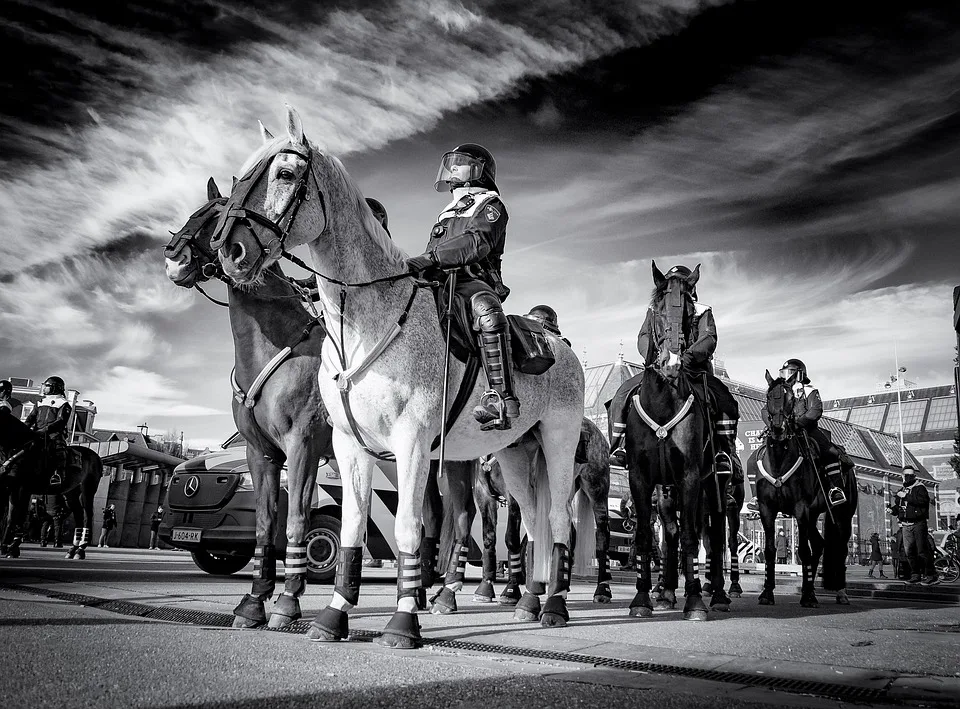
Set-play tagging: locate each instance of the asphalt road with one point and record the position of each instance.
(60, 654)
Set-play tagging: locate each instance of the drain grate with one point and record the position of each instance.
(225, 620)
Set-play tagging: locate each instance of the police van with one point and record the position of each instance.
(211, 512)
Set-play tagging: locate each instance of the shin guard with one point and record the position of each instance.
(349, 566)
(408, 575)
(559, 570)
(489, 565)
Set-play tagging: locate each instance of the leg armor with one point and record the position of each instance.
(500, 403)
(617, 418)
(347, 582)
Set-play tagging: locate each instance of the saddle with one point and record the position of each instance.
(529, 345)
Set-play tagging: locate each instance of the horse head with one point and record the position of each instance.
(291, 194)
(672, 304)
(188, 254)
(780, 401)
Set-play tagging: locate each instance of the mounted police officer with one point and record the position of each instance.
(469, 236)
(50, 418)
(697, 362)
(808, 410)
(379, 212)
(6, 391)
(547, 317)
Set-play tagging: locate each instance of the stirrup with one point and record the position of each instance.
(55, 479)
(493, 412)
(618, 457)
(753, 505)
(722, 463)
(836, 497)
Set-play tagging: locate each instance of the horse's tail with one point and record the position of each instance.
(837, 529)
(585, 526)
(542, 533)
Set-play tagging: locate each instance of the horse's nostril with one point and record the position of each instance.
(237, 253)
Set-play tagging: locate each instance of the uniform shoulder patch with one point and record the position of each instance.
(492, 213)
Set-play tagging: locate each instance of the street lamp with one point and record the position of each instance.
(898, 378)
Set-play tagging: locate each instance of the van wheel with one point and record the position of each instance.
(323, 548)
(219, 564)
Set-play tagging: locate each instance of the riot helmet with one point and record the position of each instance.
(794, 366)
(56, 386)
(379, 211)
(546, 316)
(683, 272)
(468, 163)
(6, 387)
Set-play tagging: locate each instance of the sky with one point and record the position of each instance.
(807, 154)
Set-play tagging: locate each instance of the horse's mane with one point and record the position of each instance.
(370, 223)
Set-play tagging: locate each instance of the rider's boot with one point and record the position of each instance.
(618, 456)
(499, 404)
(835, 494)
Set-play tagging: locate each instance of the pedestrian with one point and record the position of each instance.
(155, 521)
(781, 546)
(912, 507)
(109, 522)
(876, 556)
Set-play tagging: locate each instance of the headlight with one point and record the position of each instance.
(246, 482)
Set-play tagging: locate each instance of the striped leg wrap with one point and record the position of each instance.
(516, 566)
(559, 570)
(84, 537)
(408, 575)
(295, 562)
(725, 427)
(347, 583)
(264, 570)
(76, 537)
(458, 563)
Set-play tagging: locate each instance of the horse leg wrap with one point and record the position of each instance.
(84, 541)
(330, 624)
(428, 556)
(691, 572)
(408, 575)
(264, 571)
(295, 562)
(643, 572)
(559, 570)
(490, 565)
(458, 563)
(75, 546)
(347, 582)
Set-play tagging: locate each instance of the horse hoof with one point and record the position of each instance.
(523, 616)
(506, 601)
(695, 615)
(402, 632)
(245, 623)
(329, 626)
(842, 599)
(734, 594)
(484, 593)
(483, 599)
(279, 620)
(641, 612)
(552, 620)
(736, 590)
(444, 602)
(662, 605)
(554, 613)
(603, 594)
(764, 601)
(602, 599)
(722, 607)
(809, 603)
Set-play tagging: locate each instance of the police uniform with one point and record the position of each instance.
(50, 418)
(469, 237)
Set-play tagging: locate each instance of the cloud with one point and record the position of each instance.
(129, 394)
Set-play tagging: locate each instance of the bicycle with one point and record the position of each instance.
(947, 566)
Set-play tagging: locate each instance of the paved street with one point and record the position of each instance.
(140, 662)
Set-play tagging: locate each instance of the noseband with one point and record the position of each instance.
(238, 213)
(198, 221)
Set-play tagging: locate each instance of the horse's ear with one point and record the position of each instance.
(694, 277)
(658, 278)
(234, 185)
(769, 378)
(213, 192)
(264, 133)
(294, 126)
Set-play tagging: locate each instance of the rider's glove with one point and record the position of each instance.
(419, 264)
(687, 360)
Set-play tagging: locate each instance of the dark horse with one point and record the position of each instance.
(278, 410)
(734, 503)
(590, 492)
(30, 475)
(667, 436)
(788, 482)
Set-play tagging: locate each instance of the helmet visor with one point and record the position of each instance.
(456, 169)
(788, 372)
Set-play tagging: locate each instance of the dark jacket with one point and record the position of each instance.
(109, 518)
(703, 340)
(912, 503)
(50, 417)
(470, 233)
(781, 545)
(155, 521)
(875, 553)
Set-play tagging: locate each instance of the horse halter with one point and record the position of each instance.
(237, 212)
(198, 221)
(777, 415)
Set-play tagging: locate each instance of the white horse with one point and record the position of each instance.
(382, 378)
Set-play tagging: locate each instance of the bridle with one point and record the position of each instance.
(237, 213)
(187, 236)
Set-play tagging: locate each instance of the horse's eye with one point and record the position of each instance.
(286, 175)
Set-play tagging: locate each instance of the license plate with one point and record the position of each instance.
(625, 550)
(186, 535)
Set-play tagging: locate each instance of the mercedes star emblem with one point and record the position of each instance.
(193, 484)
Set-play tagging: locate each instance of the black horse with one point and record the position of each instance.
(734, 503)
(788, 482)
(30, 475)
(667, 437)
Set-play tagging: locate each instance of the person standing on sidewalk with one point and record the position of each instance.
(876, 556)
(781, 547)
(912, 507)
(155, 521)
(109, 522)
